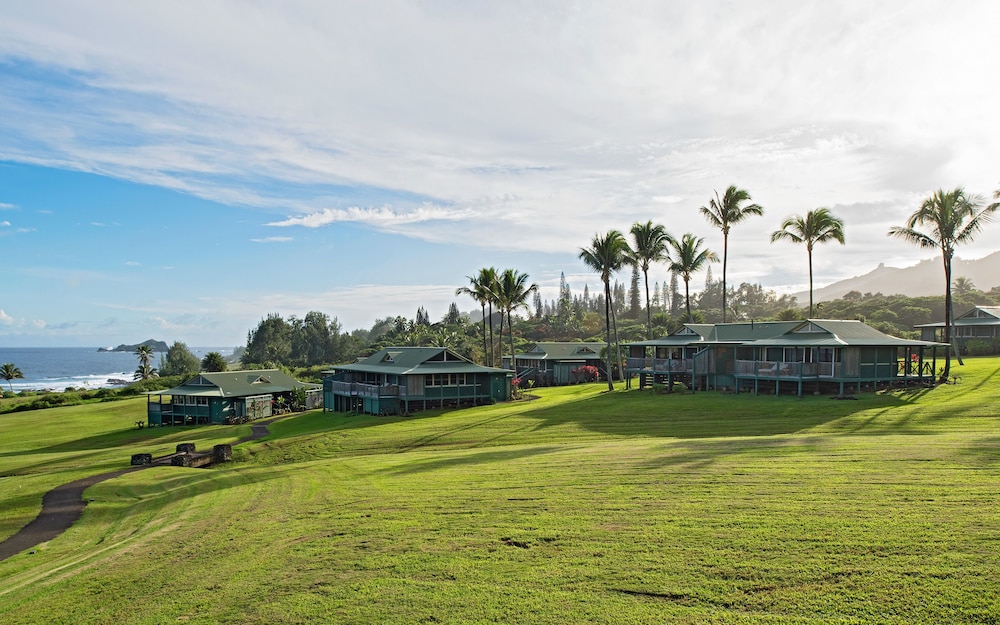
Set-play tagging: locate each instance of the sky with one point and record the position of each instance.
(178, 171)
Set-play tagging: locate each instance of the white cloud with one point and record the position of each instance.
(6, 206)
(5, 318)
(385, 216)
(133, 263)
(273, 240)
(4, 223)
(520, 126)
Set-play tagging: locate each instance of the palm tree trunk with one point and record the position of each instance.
(809, 252)
(649, 313)
(618, 346)
(725, 259)
(510, 331)
(607, 330)
(687, 297)
(493, 348)
(483, 304)
(947, 314)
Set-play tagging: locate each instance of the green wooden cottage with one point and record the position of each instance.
(783, 356)
(554, 363)
(400, 380)
(981, 323)
(227, 397)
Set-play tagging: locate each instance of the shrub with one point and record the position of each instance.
(979, 347)
(586, 373)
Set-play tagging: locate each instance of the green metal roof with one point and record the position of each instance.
(238, 384)
(711, 333)
(416, 360)
(809, 333)
(563, 351)
(978, 316)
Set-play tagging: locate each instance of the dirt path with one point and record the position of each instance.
(63, 505)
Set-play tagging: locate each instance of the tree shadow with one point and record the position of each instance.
(704, 415)
(464, 459)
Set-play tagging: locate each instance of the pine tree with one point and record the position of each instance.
(675, 294)
(423, 319)
(634, 297)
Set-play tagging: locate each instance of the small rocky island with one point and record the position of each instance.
(157, 346)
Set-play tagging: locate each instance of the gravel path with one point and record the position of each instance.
(63, 505)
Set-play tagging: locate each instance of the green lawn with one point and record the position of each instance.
(579, 506)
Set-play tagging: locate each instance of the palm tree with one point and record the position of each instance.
(9, 371)
(723, 213)
(953, 217)
(963, 286)
(818, 226)
(512, 292)
(605, 256)
(651, 243)
(689, 258)
(481, 289)
(145, 371)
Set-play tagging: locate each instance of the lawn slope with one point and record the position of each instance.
(579, 506)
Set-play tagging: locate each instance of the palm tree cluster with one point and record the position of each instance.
(951, 218)
(145, 369)
(508, 291)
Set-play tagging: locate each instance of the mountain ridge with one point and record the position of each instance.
(924, 278)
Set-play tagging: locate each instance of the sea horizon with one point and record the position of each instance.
(59, 368)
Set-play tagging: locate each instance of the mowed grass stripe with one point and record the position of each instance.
(552, 511)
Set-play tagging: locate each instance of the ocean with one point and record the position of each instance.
(56, 368)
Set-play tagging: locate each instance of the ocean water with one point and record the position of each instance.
(56, 368)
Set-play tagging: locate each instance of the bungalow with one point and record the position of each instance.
(982, 323)
(774, 355)
(398, 380)
(227, 397)
(554, 363)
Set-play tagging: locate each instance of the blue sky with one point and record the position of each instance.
(180, 171)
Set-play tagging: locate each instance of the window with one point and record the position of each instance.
(445, 379)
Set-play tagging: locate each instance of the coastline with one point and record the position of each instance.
(54, 369)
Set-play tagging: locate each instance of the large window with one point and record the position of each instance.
(446, 379)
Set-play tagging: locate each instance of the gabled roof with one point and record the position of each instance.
(978, 316)
(714, 333)
(416, 360)
(808, 333)
(238, 384)
(836, 333)
(563, 351)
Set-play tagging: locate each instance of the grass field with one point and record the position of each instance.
(579, 506)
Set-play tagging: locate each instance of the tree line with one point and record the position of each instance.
(943, 221)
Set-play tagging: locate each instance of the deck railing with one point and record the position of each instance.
(660, 365)
(780, 369)
(359, 389)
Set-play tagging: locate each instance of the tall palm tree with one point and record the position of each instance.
(481, 289)
(952, 218)
(650, 245)
(723, 213)
(606, 255)
(688, 258)
(145, 371)
(818, 226)
(512, 292)
(10, 372)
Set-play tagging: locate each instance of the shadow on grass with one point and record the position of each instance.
(470, 459)
(704, 415)
(123, 438)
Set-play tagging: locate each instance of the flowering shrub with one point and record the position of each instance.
(586, 373)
